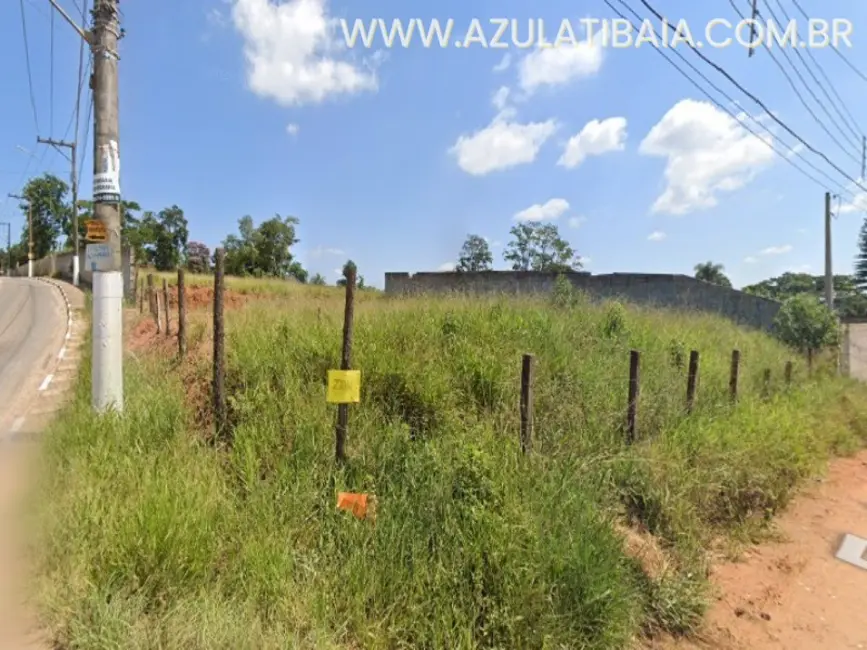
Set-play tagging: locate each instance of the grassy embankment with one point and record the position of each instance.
(155, 537)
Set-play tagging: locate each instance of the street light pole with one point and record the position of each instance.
(57, 144)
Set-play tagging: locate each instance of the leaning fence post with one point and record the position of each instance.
(632, 406)
(158, 316)
(527, 372)
(788, 373)
(182, 315)
(141, 294)
(691, 380)
(151, 305)
(349, 272)
(166, 304)
(219, 347)
(734, 374)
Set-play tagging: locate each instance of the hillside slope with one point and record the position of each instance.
(158, 536)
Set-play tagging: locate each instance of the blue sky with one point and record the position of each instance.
(234, 107)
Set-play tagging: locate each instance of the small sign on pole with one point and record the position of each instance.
(344, 387)
(98, 257)
(96, 231)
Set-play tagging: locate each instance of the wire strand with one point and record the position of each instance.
(27, 62)
(792, 151)
(51, 74)
(833, 48)
(762, 105)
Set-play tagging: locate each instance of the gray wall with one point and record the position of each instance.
(60, 265)
(661, 290)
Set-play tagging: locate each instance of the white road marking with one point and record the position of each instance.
(46, 382)
(62, 352)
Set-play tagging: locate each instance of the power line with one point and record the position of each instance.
(51, 73)
(27, 61)
(81, 76)
(787, 157)
(856, 158)
(855, 130)
(761, 104)
(836, 51)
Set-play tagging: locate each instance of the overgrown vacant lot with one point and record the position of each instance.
(157, 536)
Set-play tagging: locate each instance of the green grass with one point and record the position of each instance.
(154, 538)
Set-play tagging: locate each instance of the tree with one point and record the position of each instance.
(849, 300)
(46, 198)
(264, 250)
(359, 279)
(806, 324)
(539, 247)
(318, 280)
(198, 257)
(170, 240)
(712, 273)
(130, 234)
(861, 258)
(475, 255)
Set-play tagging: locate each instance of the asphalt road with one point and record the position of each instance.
(32, 329)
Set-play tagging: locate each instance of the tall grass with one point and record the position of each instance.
(155, 538)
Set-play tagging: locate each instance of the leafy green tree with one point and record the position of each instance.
(318, 279)
(170, 240)
(805, 324)
(861, 259)
(264, 250)
(46, 198)
(849, 300)
(539, 247)
(712, 273)
(359, 279)
(129, 227)
(475, 255)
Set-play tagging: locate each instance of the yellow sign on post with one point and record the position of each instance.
(96, 231)
(344, 387)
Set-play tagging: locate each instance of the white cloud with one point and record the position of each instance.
(292, 129)
(657, 235)
(504, 63)
(448, 266)
(750, 260)
(319, 251)
(293, 55)
(586, 261)
(502, 144)
(707, 153)
(500, 98)
(858, 200)
(575, 222)
(596, 138)
(776, 250)
(557, 66)
(548, 211)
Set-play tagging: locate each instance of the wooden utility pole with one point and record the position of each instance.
(30, 231)
(753, 28)
(73, 147)
(829, 274)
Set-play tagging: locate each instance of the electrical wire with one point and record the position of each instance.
(787, 157)
(51, 75)
(81, 76)
(855, 157)
(851, 123)
(27, 62)
(836, 51)
(762, 105)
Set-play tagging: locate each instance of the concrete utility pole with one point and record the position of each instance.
(30, 229)
(8, 246)
(72, 146)
(107, 375)
(829, 275)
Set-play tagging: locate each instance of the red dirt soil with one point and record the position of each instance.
(794, 594)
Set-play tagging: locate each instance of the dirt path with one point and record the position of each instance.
(795, 594)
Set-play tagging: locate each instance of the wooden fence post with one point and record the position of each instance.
(691, 380)
(151, 305)
(632, 406)
(766, 383)
(166, 304)
(734, 374)
(141, 294)
(158, 316)
(219, 387)
(182, 316)
(527, 372)
(349, 272)
(788, 373)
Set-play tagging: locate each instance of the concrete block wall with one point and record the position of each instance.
(60, 264)
(660, 290)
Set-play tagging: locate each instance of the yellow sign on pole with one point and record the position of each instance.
(96, 231)
(344, 387)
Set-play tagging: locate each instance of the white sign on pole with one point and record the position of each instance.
(106, 183)
(97, 257)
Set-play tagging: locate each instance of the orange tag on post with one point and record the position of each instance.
(353, 502)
